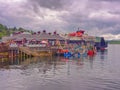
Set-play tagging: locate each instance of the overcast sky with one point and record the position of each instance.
(96, 17)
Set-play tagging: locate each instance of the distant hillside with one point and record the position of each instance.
(5, 31)
(114, 42)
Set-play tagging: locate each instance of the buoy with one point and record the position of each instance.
(67, 54)
(90, 52)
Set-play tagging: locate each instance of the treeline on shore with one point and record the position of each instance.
(6, 31)
(114, 42)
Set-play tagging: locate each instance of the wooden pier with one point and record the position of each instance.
(36, 51)
(29, 52)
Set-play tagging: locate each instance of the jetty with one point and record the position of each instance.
(36, 44)
(34, 52)
(46, 44)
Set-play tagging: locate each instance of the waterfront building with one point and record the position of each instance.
(28, 39)
(43, 43)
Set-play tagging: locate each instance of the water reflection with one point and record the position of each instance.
(42, 73)
(103, 57)
(103, 54)
(45, 64)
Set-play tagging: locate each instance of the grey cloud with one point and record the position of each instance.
(115, 12)
(107, 0)
(83, 21)
(116, 31)
(75, 15)
(50, 4)
(111, 30)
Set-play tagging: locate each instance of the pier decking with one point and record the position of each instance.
(34, 52)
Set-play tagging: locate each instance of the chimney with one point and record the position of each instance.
(44, 31)
(34, 33)
(49, 33)
(38, 32)
(55, 33)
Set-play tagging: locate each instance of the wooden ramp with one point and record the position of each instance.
(35, 53)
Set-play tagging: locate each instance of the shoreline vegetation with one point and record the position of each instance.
(114, 42)
(6, 31)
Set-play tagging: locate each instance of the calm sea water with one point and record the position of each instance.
(101, 72)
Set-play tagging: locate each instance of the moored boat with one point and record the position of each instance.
(102, 45)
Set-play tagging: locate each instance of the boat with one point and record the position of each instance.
(102, 45)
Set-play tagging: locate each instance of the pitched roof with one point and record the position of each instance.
(38, 37)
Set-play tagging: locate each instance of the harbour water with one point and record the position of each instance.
(100, 72)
